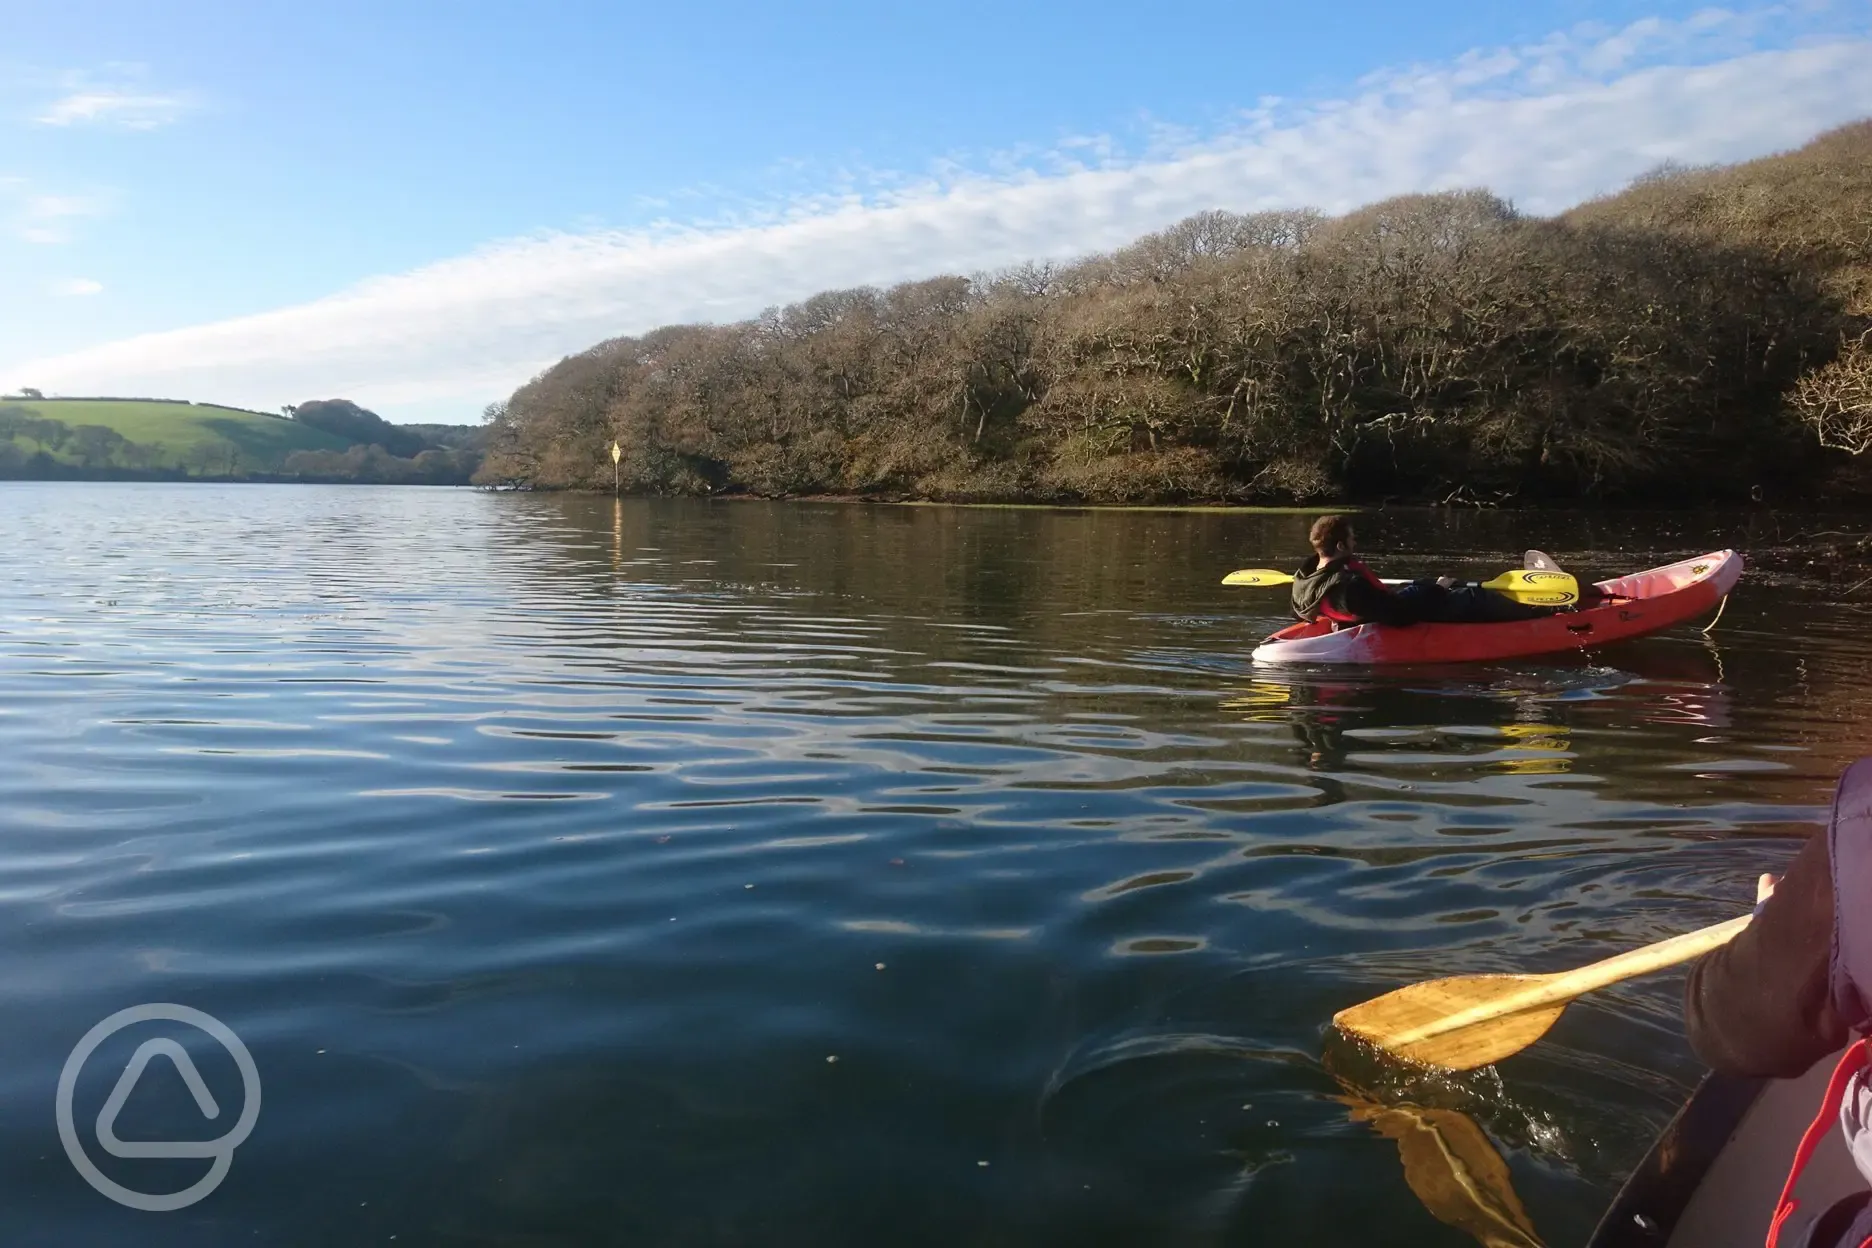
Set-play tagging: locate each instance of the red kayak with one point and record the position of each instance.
(1634, 605)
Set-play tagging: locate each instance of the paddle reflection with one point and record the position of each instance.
(1263, 701)
(1450, 1163)
(1536, 749)
(1453, 1168)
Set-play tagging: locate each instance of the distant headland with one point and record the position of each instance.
(139, 439)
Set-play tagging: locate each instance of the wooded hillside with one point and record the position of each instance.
(1703, 335)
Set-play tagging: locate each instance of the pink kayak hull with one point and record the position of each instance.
(1644, 602)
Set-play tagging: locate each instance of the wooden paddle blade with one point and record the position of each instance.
(1472, 1020)
(1258, 578)
(1415, 1022)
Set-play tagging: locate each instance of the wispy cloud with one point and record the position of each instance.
(114, 108)
(36, 216)
(116, 98)
(72, 287)
(1547, 124)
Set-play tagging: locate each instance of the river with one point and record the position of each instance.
(672, 872)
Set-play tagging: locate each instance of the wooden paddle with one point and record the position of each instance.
(1471, 1020)
(1535, 586)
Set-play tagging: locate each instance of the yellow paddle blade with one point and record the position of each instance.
(1405, 1022)
(1536, 587)
(1539, 597)
(1258, 578)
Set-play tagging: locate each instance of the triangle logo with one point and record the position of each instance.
(126, 1082)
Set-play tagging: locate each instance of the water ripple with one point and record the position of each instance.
(664, 872)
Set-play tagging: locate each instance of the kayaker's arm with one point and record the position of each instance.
(1760, 1005)
(1379, 606)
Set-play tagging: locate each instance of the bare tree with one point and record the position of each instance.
(1836, 401)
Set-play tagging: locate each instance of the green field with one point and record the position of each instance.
(188, 434)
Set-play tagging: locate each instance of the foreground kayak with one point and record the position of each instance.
(1713, 1177)
(1641, 603)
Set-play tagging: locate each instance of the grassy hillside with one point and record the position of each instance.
(332, 440)
(194, 436)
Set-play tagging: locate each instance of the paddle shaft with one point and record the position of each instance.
(1269, 579)
(1563, 986)
(1528, 582)
(1462, 585)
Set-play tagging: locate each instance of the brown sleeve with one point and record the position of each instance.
(1761, 1005)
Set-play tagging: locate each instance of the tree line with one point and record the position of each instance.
(372, 464)
(1705, 334)
(380, 452)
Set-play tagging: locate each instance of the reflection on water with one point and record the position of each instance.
(583, 871)
(1537, 749)
(1454, 1169)
(1449, 1160)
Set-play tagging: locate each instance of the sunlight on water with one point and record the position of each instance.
(646, 872)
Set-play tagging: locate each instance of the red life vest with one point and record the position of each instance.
(1856, 1059)
(1357, 568)
(1849, 975)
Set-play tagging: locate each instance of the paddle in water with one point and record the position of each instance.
(1538, 587)
(1468, 1021)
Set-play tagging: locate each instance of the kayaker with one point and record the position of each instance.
(1794, 988)
(1334, 584)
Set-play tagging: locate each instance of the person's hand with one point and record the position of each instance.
(1446, 582)
(1764, 888)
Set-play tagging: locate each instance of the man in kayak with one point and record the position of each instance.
(1333, 584)
(1796, 987)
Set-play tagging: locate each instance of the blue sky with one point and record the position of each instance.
(420, 205)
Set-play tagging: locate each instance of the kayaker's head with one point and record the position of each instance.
(1331, 537)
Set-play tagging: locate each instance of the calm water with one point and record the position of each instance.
(679, 874)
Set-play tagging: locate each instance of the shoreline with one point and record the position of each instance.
(1606, 507)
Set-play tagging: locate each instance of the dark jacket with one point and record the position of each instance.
(1346, 590)
(1792, 988)
(1763, 1003)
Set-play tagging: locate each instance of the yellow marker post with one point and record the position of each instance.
(616, 454)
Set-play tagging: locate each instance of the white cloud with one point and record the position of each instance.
(1550, 124)
(114, 108)
(40, 217)
(75, 286)
(117, 99)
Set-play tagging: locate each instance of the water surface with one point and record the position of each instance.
(583, 872)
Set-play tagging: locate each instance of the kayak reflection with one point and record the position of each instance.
(1523, 716)
(1380, 713)
(1687, 683)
